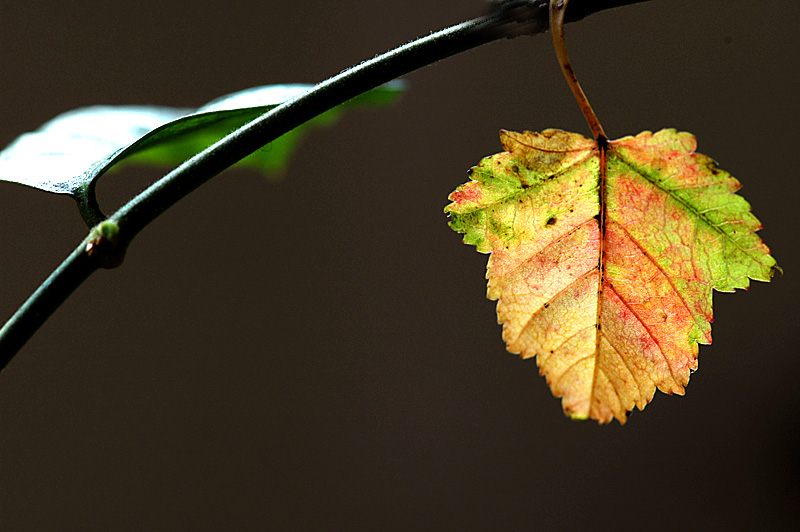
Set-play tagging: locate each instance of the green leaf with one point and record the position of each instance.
(70, 152)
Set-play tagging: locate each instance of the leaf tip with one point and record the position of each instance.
(576, 416)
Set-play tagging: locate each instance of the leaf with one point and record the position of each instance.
(71, 151)
(603, 258)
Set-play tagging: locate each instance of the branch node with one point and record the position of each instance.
(105, 245)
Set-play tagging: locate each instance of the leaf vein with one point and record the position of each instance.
(699, 214)
(570, 368)
(659, 268)
(649, 333)
(625, 362)
(555, 296)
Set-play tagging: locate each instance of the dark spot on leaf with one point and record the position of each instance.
(546, 305)
(524, 186)
(551, 221)
(469, 172)
(515, 169)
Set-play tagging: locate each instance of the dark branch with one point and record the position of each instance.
(507, 19)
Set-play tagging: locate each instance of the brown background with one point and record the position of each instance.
(316, 353)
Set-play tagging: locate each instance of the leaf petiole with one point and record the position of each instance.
(558, 9)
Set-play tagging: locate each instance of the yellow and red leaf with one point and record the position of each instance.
(604, 256)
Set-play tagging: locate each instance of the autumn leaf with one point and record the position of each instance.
(603, 258)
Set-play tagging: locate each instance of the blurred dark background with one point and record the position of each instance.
(315, 351)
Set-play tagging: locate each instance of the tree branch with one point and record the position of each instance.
(508, 19)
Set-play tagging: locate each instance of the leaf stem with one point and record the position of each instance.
(510, 19)
(88, 206)
(558, 10)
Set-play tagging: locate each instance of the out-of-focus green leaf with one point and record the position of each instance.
(70, 152)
